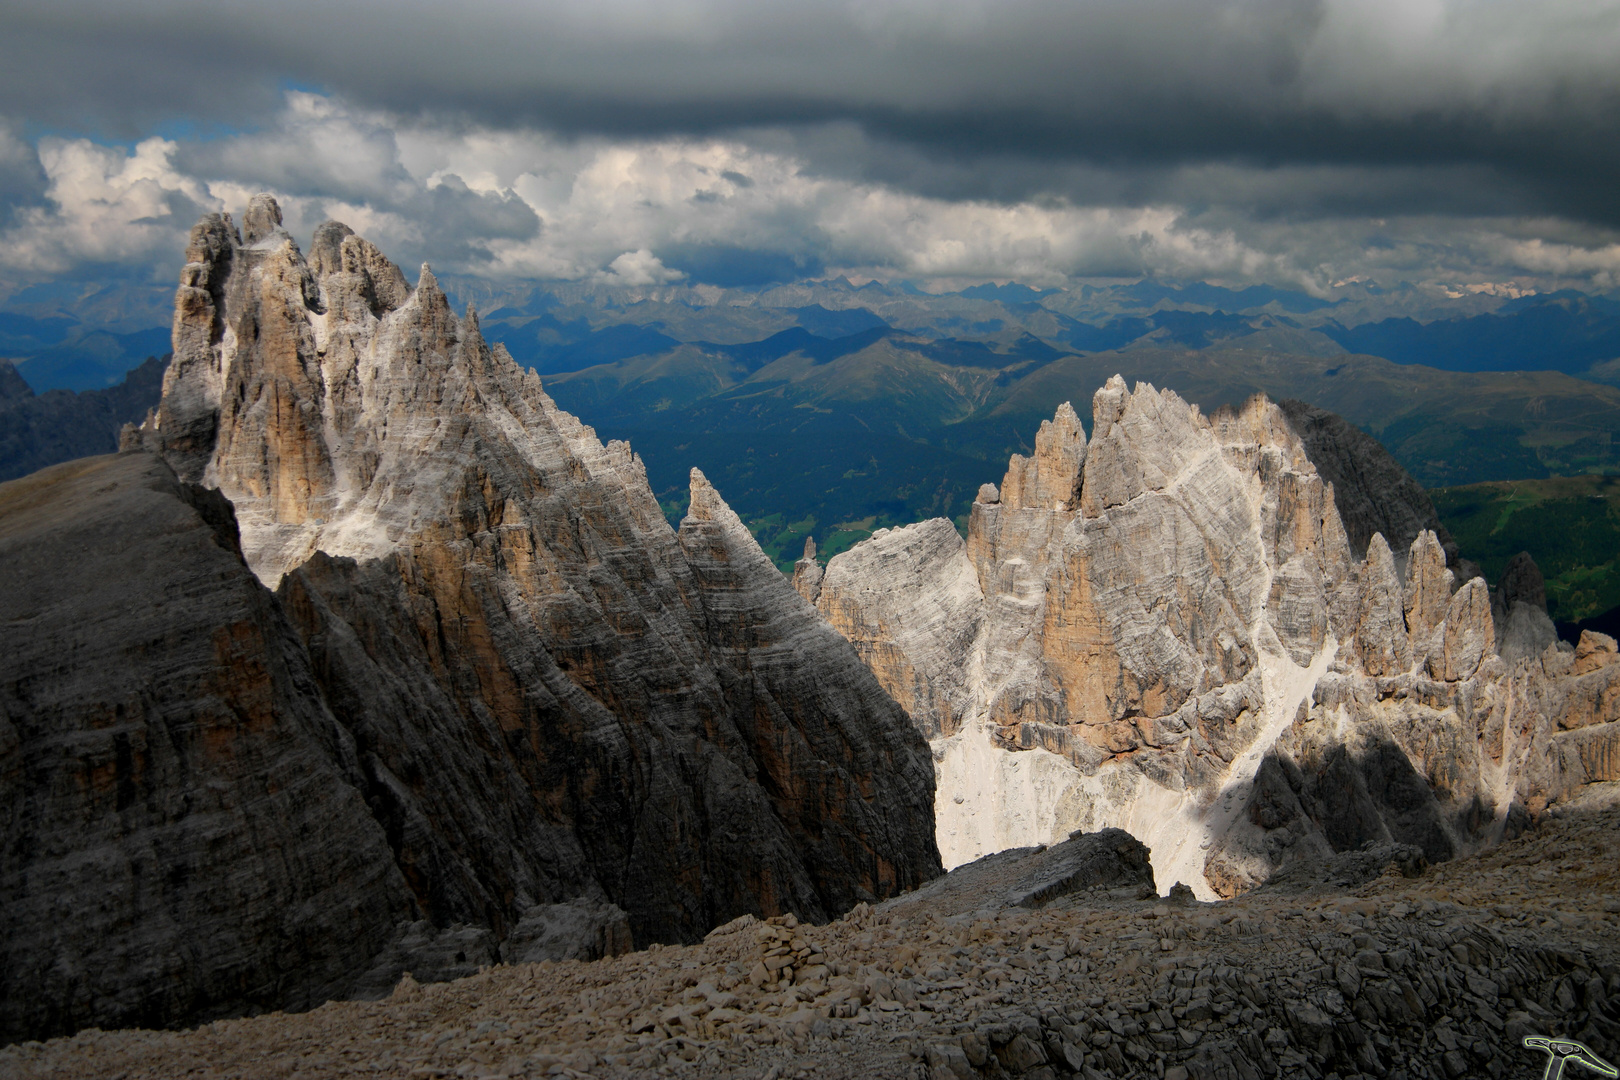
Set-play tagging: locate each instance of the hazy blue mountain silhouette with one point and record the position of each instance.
(1563, 331)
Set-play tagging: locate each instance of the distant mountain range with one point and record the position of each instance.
(37, 430)
(84, 335)
(61, 354)
(1563, 331)
(62, 340)
(826, 408)
(837, 438)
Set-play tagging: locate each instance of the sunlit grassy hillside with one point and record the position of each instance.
(1570, 526)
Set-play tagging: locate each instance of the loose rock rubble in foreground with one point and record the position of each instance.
(1438, 976)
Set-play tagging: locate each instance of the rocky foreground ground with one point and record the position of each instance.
(1437, 975)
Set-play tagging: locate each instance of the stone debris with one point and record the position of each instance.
(582, 929)
(1437, 976)
(786, 955)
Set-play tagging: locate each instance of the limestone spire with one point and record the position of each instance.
(807, 572)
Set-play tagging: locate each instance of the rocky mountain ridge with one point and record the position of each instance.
(1183, 628)
(820, 440)
(37, 430)
(553, 727)
(562, 726)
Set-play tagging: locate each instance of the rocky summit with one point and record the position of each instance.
(1241, 637)
(495, 705)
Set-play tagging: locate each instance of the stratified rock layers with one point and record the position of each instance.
(546, 694)
(183, 833)
(558, 695)
(1168, 629)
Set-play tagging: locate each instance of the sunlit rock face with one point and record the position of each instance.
(555, 695)
(1168, 628)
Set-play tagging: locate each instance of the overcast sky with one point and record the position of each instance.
(1473, 145)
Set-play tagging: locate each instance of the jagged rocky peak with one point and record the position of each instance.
(547, 701)
(1371, 490)
(1380, 633)
(1429, 585)
(807, 572)
(1183, 639)
(1051, 479)
(1522, 583)
(367, 274)
(704, 503)
(286, 375)
(1519, 611)
(911, 605)
(333, 403)
(262, 222)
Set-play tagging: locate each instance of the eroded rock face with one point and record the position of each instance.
(184, 829)
(913, 636)
(807, 573)
(1173, 632)
(547, 694)
(1374, 495)
(840, 760)
(491, 590)
(1127, 629)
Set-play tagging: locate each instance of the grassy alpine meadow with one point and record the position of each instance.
(1573, 534)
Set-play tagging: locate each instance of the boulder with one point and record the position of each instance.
(1110, 859)
(582, 929)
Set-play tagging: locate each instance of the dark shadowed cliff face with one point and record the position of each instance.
(1371, 490)
(551, 694)
(182, 836)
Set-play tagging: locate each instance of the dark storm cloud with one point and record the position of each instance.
(1505, 108)
(461, 221)
(728, 265)
(330, 157)
(22, 180)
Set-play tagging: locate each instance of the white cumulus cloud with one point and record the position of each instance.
(104, 204)
(639, 268)
(514, 203)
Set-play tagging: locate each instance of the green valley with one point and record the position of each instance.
(1570, 526)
